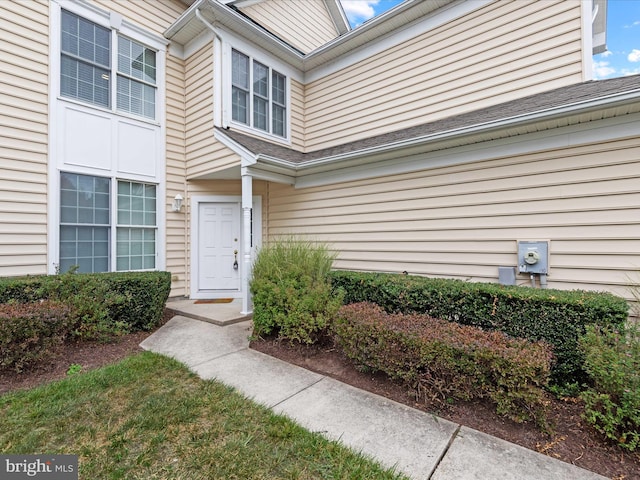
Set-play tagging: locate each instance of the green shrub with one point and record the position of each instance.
(30, 331)
(612, 403)
(448, 360)
(555, 316)
(292, 294)
(104, 304)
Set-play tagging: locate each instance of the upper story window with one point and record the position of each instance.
(88, 67)
(258, 95)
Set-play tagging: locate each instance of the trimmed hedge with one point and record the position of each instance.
(104, 303)
(448, 359)
(30, 331)
(555, 316)
(612, 402)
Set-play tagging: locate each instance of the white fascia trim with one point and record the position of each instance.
(183, 19)
(242, 3)
(339, 18)
(325, 167)
(247, 158)
(269, 176)
(547, 114)
(575, 135)
(396, 37)
(587, 39)
(197, 43)
(230, 17)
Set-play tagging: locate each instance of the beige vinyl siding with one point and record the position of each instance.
(204, 155)
(153, 15)
(304, 27)
(505, 50)
(156, 16)
(297, 115)
(24, 65)
(176, 234)
(464, 221)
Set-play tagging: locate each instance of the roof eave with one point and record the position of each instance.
(408, 10)
(328, 162)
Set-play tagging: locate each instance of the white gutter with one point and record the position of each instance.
(219, 116)
(247, 157)
(546, 114)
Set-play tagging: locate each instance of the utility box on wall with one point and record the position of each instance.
(533, 257)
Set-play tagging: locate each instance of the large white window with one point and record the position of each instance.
(88, 67)
(258, 95)
(136, 230)
(86, 221)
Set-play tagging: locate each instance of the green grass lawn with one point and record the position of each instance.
(148, 417)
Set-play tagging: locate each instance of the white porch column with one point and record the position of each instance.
(247, 254)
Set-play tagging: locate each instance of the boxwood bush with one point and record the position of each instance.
(103, 304)
(30, 331)
(447, 359)
(555, 316)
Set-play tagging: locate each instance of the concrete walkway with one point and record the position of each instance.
(418, 444)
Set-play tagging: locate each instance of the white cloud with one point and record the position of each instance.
(602, 69)
(634, 56)
(359, 11)
(606, 53)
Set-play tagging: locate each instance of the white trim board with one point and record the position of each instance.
(600, 131)
(193, 232)
(58, 105)
(390, 40)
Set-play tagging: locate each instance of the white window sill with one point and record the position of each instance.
(116, 113)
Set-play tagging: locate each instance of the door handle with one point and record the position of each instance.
(235, 259)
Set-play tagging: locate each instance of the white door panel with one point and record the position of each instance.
(218, 246)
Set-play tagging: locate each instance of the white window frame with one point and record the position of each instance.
(270, 101)
(114, 224)
(232, 42)
(56, 162)
(119, 28)
(117, 225)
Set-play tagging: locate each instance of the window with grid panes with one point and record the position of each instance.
(87, 69)
(258, 95)
(86, 222)
(136, 226)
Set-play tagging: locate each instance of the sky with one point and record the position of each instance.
(623, 33)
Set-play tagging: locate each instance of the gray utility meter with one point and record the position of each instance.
(533, 257)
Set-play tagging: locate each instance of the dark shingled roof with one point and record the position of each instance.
(559, 97)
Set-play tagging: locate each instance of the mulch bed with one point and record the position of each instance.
(572, 440)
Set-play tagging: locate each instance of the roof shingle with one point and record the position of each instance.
(564, 96)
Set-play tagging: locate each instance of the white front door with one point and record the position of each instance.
(219, 259)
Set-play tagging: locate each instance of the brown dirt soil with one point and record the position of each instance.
(571, 440)
(88, 355)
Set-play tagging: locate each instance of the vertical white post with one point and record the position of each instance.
(247, 205)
